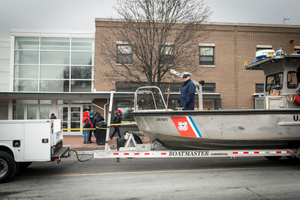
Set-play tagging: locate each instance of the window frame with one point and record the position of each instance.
(130, 55)
(259, 86)
(296, 49)
(270, 87)
(295, 85)
(207, 63)
(169, 57)
(263, 47)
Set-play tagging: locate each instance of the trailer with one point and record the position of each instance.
(25, 141)
(130, 147)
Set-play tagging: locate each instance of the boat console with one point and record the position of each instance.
(282, 79)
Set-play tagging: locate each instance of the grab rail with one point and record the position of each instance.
(150, 92)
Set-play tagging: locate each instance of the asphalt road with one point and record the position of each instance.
(172, 178)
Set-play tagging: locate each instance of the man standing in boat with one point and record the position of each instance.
(187, 95)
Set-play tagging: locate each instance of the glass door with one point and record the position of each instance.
(71, 117)
(31, 112)
(76, 114)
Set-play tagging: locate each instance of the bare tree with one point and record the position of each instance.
(154, 36)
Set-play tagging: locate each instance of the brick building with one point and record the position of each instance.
(231, 45)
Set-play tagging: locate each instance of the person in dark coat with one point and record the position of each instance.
(96, 120)
(187, 95)
(116, 120)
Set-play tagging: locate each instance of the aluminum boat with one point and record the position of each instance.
(274, 123)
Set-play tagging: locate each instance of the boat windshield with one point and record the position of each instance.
(274, 82)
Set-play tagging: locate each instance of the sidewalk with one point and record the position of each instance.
(76, 143)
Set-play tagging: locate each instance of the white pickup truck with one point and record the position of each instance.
(25, 141)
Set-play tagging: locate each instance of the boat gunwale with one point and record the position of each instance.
(214, 112)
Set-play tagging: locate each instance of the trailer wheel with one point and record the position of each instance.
(273, 157)
(137, 139)
(7, 167)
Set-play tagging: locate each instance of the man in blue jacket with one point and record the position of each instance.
(187, 95)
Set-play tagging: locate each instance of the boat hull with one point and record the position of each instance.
(235, 129)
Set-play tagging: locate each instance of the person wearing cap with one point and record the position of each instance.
(187, 94)
(116, 120)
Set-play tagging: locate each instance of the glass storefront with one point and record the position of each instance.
(54, 64)
(31, 109)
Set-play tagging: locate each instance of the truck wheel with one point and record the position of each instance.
(273, 157)
(7, 167)
(17, 168)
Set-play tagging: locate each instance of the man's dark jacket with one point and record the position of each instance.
(117, 119)
(187, 95)
(97, 118)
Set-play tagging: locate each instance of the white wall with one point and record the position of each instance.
(4, 63)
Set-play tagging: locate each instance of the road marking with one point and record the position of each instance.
(149, 172)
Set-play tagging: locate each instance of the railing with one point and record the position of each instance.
(149, 92)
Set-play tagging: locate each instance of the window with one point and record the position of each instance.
(125, 105)
(259, 88)
(124, 54)
(297, 49)
(263, 47)
(209, 88)
(54, 86)
(54, 64)
(31, 109)
(167, 55)
(274, 81)
(207, 55)
(292, 81)
(28, 43)
(53, 43)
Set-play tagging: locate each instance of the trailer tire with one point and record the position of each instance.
(7, 167)
(122, 142)
(273, 157)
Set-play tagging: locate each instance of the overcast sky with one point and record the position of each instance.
(81, 14)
